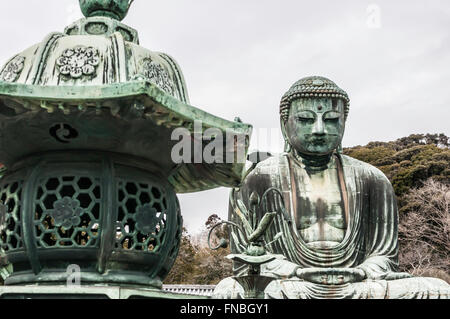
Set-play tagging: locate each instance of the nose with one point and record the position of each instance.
(318, 128)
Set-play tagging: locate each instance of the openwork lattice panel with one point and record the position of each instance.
(10, 216)
(176, 245)
(67, 211)
(142, 216)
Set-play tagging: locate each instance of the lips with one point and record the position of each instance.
(318, 141)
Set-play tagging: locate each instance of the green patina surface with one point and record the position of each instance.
(64, 292)
(116, 9)
(114, 104)
(337, 217)
(86, 120)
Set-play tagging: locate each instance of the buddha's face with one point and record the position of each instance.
(316, 125)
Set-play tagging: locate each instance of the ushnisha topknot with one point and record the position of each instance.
(312, 86)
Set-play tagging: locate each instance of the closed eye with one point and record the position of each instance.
(331, 116)
(305, 119)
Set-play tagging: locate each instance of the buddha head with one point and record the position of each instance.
(116, 9)
(313, 114)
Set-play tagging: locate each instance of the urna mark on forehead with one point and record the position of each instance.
(318, 105)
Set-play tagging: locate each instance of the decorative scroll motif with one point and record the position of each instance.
(78, 61)
(147, 219)
(157, 75)
(63, 133)
(13, 69)
(67, 212)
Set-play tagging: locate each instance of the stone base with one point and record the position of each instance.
(88, 292)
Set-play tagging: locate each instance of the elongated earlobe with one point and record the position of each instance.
(287, 145)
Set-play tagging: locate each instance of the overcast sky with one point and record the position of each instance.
(240, 56)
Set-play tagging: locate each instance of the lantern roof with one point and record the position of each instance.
(93, 87)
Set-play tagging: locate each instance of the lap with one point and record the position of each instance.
(408, 288)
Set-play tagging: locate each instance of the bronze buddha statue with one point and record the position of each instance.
(340, 236)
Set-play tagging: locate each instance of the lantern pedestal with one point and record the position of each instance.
(93, 292)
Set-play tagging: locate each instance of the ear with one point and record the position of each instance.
(340, 149)
(287, 145)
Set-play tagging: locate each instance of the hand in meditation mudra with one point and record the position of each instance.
(340, 238)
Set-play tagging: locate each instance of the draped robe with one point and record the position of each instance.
(370, 242)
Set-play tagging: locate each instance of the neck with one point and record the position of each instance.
(313, 162)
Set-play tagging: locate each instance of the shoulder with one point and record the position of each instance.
(265, 173)
(364, 169)
(271, 165)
